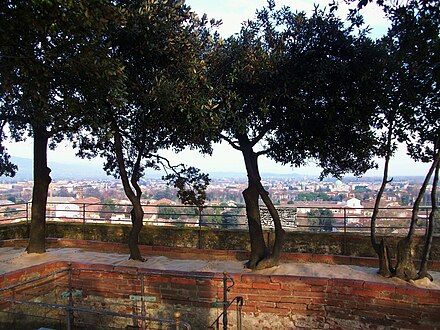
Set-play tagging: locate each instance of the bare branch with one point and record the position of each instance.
(231, 142)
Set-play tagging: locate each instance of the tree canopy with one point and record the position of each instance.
(161, 101)
(46, 49)
(296, 88)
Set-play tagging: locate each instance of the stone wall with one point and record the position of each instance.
(270, 302)
(216, 239)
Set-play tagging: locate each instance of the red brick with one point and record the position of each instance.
(293, 299)
(390, 303)
(266, 286)
(428, 301)
(296, 287)
(297, 307)
(340, 290)
(310, 294)
(316, 307)
(259, 297)
(434, 294)
(342, 282)
(241, 285)
(274, 310)
(315, 280)
(380, 287)
(411, 291)
(285, 279)
(248, 309)
(178, 280)
(253, 278)
(364, 293)
(260, 303)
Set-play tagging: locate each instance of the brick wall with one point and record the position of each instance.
(270, 302)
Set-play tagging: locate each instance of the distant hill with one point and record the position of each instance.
(90, 170)
(60, 171)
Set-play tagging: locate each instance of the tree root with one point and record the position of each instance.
(264, 263)
(425, 274)
(138, 259)
(267, 262)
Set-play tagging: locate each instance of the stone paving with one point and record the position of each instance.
(13, 258)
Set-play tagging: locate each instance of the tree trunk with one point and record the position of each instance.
(423, 271)
(274, 258)
(260, 255)
(258, 246)
(405, 268)
(137, 213)
(137, 216)
(381, 249)
(37, 234)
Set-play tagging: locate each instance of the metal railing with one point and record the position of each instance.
(70, 309)
(342, 219)
(225, 304)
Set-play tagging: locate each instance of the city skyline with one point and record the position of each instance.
(225, 158)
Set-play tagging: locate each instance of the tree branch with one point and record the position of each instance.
(266, 128)
(231, 142)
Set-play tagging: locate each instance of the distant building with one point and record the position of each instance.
(354, 204)
(63, 207)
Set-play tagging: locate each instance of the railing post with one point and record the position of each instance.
(199, 210)
(225, 301)
(177, 318)
(344, 247)
(239, 308)
(70, 312)
(427, 220)
(84, 221)
(143, 310)
(27, 220)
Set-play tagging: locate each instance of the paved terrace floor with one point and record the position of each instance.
(13, 257)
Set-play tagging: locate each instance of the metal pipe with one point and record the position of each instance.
(239, 308)
(94, 311)
(84, 221)
(344, 248)
(225, 301)
(177, 319)
(143, 310)
(70, 320)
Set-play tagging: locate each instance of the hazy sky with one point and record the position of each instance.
(225, 158)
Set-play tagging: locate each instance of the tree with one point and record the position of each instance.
(410, 115)
(7, 168)
(107, 209)
(296, 87)
(416, 34)
(46, 47)
(161, 94)
(321, 219)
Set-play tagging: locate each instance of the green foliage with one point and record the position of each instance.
(161, 99)
(107, 209)
(190, 184)
(437, 222)
(312, 196)
(414, 43)
(298, 86)
(168, 212)
(47, 47)
(230, 217)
